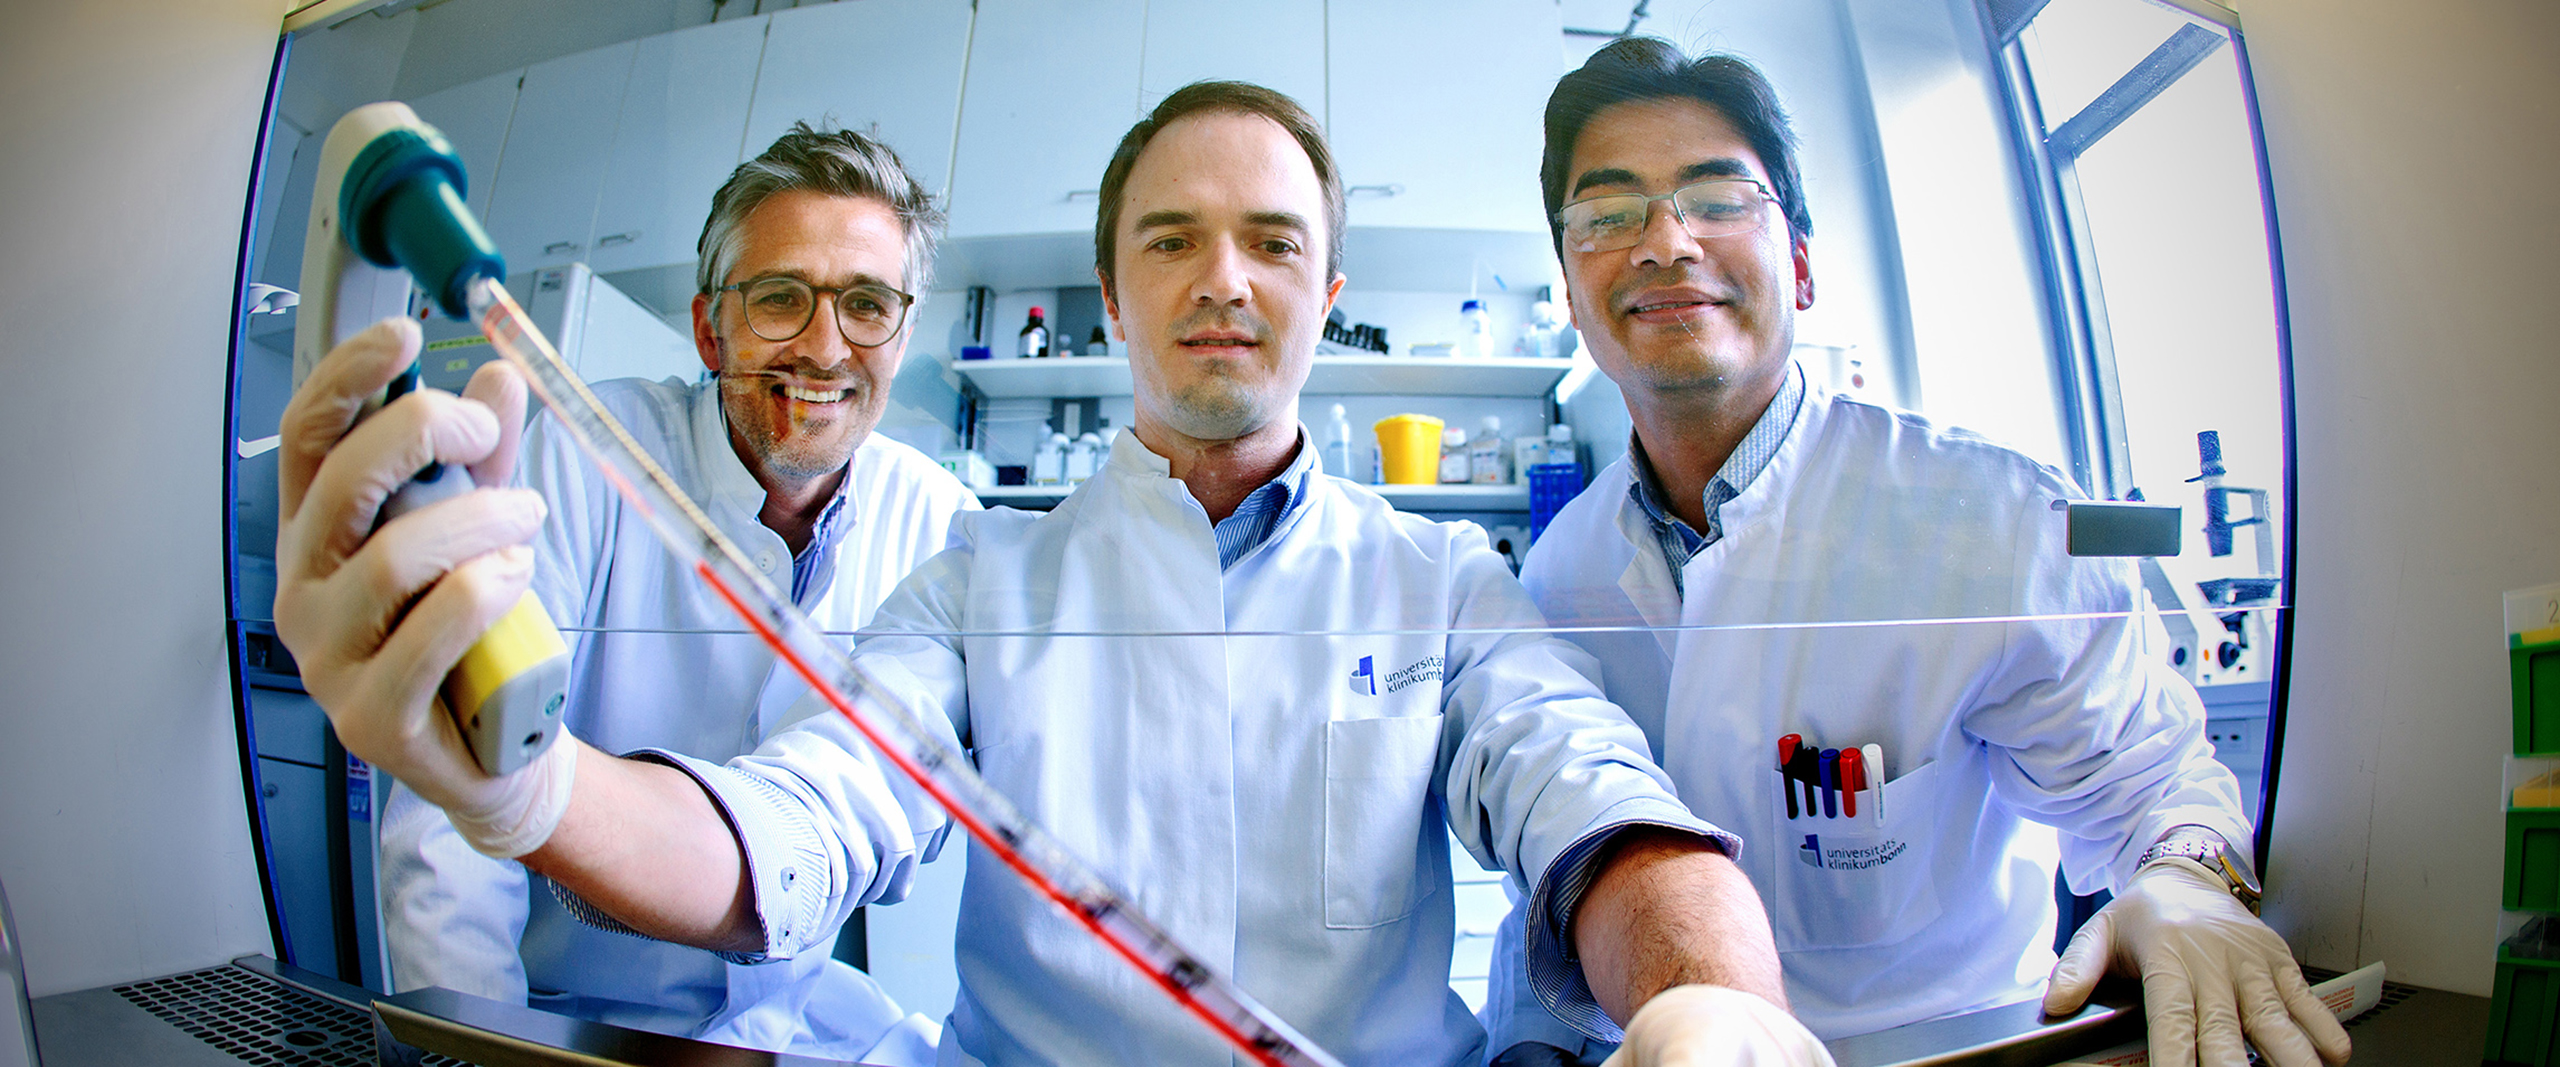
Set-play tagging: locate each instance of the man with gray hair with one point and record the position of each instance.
(809, 265)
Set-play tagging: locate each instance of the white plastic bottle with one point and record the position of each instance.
(1084, 457)
(1527, 450)
(1337, 444)
(1049, 460)
(1486, 463)
(1475, 330)
(1454, 469)
(1542, 337)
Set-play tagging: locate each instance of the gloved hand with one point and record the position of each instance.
(2210, 971)
(377, 618)
(1712, 1026)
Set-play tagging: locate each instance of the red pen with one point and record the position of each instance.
(1853, 777)
(1787, 754)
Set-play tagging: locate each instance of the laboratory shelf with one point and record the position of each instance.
(1002, 379)
(1456, 497)
(1006, 379)
(1429, 498)
(1040, 497)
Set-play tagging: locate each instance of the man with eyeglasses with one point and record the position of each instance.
(808, 262)
(1886, 776)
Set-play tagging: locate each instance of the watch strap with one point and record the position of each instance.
(2208, 849)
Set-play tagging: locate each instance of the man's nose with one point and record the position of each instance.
(1222, 278)
(823, 341)
(1666, 239)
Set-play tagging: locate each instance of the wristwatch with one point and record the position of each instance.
(2206, 847)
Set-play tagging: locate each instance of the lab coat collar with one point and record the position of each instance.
(1646, 580)
(1757, 502)
(1132, 458)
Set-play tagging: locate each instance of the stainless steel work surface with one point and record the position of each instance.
(2013, 1035)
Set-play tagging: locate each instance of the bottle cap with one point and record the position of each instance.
(1338, 411)
(1453, 436)
(1472, 305)
(1035, 312)
(1559, 432)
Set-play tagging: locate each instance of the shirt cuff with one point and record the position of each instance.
(786, 862)
(1555, 970)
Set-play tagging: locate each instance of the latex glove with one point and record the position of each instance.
(2210, 972)
(1713, 1026)
(377, 618)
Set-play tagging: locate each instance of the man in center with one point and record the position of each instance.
(1296, 694)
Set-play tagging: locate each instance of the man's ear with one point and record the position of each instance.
(1803, 255)
(706, 333)
(1110, 305)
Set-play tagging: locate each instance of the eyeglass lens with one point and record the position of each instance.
(1720, 208)
(778, 309)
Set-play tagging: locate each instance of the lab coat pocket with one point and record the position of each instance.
(1846, 882)
(1377, 787)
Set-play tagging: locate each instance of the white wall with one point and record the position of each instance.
(124, 156)
(2412, 149)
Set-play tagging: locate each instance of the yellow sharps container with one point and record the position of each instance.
(1409, 449)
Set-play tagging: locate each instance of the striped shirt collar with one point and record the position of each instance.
(1252, 522)
(1749, 458)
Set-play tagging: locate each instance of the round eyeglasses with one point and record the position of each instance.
(779, 307)
(1717, 207)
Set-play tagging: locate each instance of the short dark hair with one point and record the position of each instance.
(1650, 68)
(1239, 98)
(834, 162)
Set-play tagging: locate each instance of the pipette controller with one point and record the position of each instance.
(388, 213)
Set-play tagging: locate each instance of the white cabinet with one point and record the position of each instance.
(893, 65)
(542, 207)
(680, 134)
(1436, 110)
(1053, 84)
(1188, 40)
(474, 116)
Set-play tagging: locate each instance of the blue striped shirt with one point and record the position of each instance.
(1680, 544)
(1252, 522)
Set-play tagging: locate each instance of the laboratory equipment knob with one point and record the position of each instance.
(2227, 655)
(267, 790)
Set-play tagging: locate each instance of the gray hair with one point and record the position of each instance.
(835, 162)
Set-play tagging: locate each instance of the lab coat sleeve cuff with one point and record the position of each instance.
(1555, 971)
(786, 859)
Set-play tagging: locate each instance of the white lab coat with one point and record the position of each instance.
(1867, 515)
(1263, 758)
(455, 918)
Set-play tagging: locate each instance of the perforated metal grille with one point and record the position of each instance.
(261, 1022)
